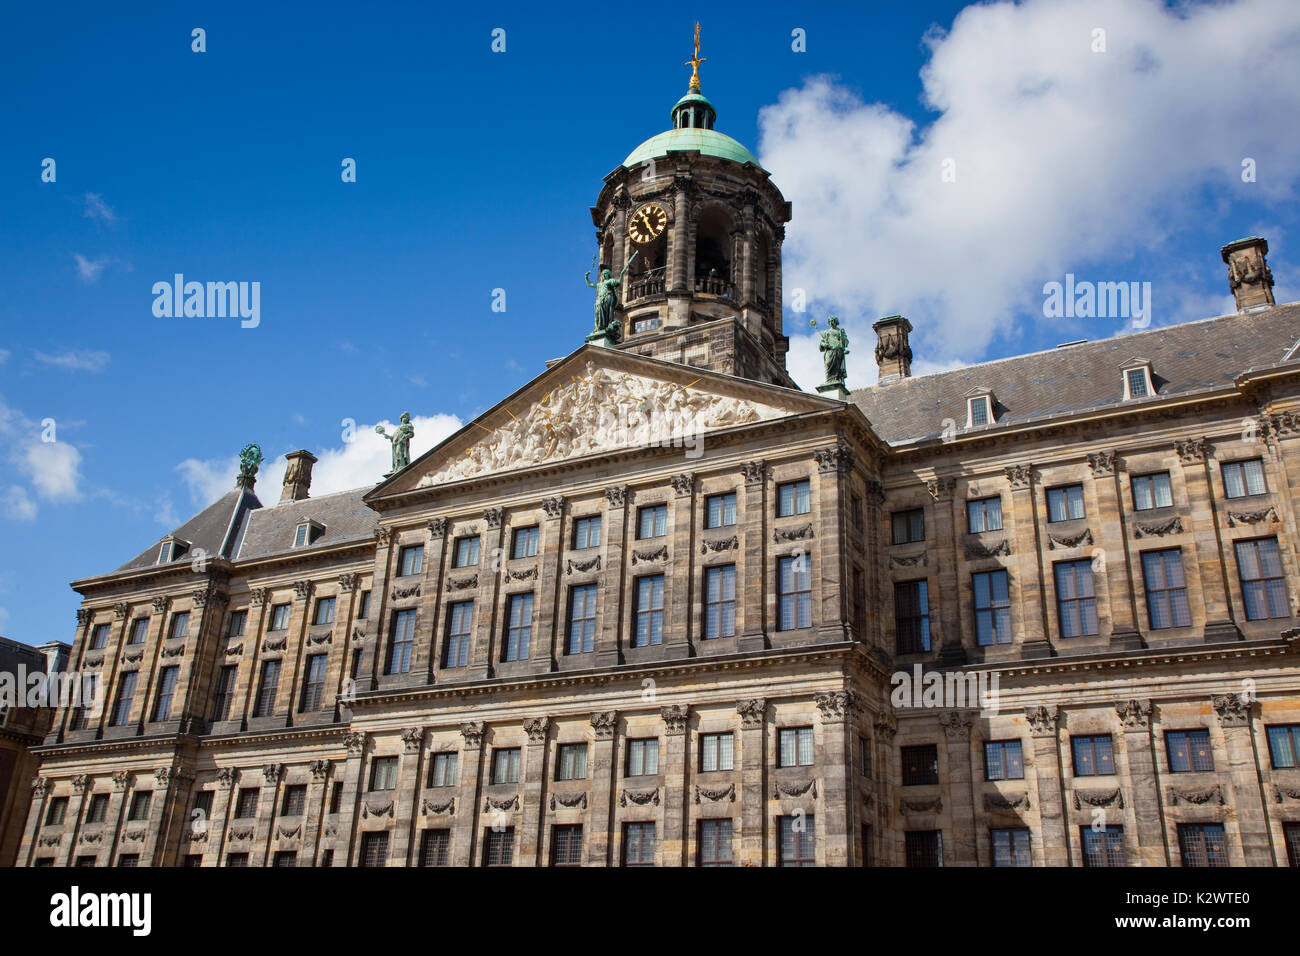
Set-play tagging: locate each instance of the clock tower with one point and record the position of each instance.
(698, 225)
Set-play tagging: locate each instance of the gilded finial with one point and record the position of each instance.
(695, 61)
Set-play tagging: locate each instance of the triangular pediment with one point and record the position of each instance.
(594, 402)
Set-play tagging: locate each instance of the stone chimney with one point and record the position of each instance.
(893, 353)
(1248, 272)
(297, 478)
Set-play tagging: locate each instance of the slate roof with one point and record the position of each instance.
(1195, 356)
(214, 529)
(269, 531)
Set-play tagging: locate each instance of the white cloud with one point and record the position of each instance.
(89, 269)
(78, 360)
(354, 464)
(4, 356)
(1063, 157)
(17, 506)
(54, 469)
(96, 208)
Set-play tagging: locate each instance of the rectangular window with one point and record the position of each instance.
(864, 756)
(201, 811)
(460, 626)
(363, 606)
(715, 843)
(313, 683)
(526, 540)
(300, 535)
(162, 707)
(642, 757)
(279, 618)
(519, 626)
(225, 692)
(912, 617)
(720, 602)
(984, 514)
(1137, 382)
(638, 844)
(797, 845)
(1152, 491)
(86, 861)
(336, 796)
(466, 553)
(717, 752)
(374, 849)
(920, 765)
(979, 410)
(1010, 846)
(267, 689)
(235, 623)
(571, 762)
(1284, 746)
(1064, 504)
(1263, 586)
(649, 611)
(294, 803)
(1003, 760)
(1103, 847)
(403, 643)
(129, 859)
(855, 512)
(499, 846)
(1189, 750)
(1291, 833)
(1162, 573)
(652, 521)
(922, 848)
(505, 765)
(720, 510)
(180, 625)
(383, 773)
(992, 608)
(246, 805)
(57, 810)
(98, 811)
(285, 858)
(324, 611)
(1076, 604)
(1202, 844)
(442, 770)
(355, 672)
(1093, 755)
(794, 593)
(99, 636)
(435, 848)
(237, 859)
(795, 747)
(582, 619)
(793, 498)
(566, 845)
(586, 533)
(1244, 478)
(909, 526)
(410, 560)
(125, 693)
(139, 630)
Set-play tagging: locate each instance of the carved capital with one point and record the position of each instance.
(348, 582)
(80, 782)
(437, 527)
(1134, 714)
(675, 717)
(616, 496)
(40, 787)
(201, 597)
(302, 590)
(956, 723)
(752, 712)
(160, 604)
(837, 458)
(494, 517)
(1020, 476)
(120, 610)
(683, 484)
(537, 727)
(839, 705)
(272, 772)
(875, 492)
(604, 723)
(258, 596)
(355, 743)
(121, 779)
(1102, 463)
(1042, 720)
(226, 777)
(383, 536)
(886, 724)
(83, 616)
(1190, 450)
(412, 737)
(472, 731)
(164, 776)
(319, 769)
(941, 488)
(1233, 709)
(554, 507)
(754, 471)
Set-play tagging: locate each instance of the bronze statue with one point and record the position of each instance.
(401, 440)
(249, 458)
(607, 288)
(835, 346)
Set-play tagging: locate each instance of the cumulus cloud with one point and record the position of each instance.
(1062, 157)
(16, 504)
(78, 360)
(88, 270)
(4, 356)
(357, 463)
(95, 208)
(52, 469)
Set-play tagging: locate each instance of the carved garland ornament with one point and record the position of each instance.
(976, 551)
(795, 790)
(428, 806)
(1099, 798)
(1197, 796)
(510, 803)
(998, 801)
(1252, 517)
(1173, 526)
(722, 544)
(793, 534)
(721, 793)
(639, 797)
(1069, 540)
(654, 554)
(572, 801)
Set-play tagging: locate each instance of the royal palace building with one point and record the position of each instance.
(660, 607)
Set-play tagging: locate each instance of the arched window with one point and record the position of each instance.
(713, 253)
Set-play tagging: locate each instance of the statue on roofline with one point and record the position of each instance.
(401, 441)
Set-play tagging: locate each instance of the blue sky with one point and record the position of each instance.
(475, 171)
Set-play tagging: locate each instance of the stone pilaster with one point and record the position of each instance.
(352, 785)
(492, 544)
(161, 839)
(1207, 538)
(219, 823)
(604, 773)
(753, 789)
(610, 609)
(471, 770)
(534, 783)
(1047, 766)
(676, 841)
(1026, 567)
(424, 661)
(410, 780)
(959, 797)
(81, 790)
(117, 804)
(1111, 535)
(268, 806)
(318, 789)
(547, 638)
(839, 789)
(1135, 718)
(1237, 724)
(679, 572)
(753, 587)
(833, 466)
(948, 613)
(35, 814)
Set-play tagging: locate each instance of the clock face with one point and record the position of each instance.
(647, 223)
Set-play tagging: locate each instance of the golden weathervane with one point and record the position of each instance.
(695, 61)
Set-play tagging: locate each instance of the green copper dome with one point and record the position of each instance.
(709, 142)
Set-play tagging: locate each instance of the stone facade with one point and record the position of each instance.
(450, 668)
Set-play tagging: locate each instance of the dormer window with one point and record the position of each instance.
(979, 408)
(308, 531)
(171, 548)
(1137, 379)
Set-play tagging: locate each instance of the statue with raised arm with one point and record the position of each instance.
(607, 288)
(835, 346)
(401, 440)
